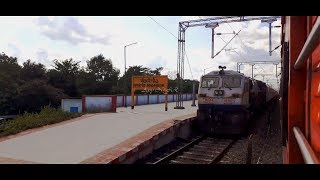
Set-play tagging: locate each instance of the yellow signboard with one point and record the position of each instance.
(149, 83)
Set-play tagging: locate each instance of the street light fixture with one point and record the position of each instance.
(125, 61)
(125, 70)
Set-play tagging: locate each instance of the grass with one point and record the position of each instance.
(48, 115)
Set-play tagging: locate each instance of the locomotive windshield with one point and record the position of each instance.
(231, 81)
(210, 82)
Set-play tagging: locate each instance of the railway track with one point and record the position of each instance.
(201, 150)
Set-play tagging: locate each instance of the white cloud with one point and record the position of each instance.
(68, 29)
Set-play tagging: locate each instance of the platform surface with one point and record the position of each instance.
(79, 139)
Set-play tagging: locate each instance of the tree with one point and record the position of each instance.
(103, 69)
(105, 75)
(6, 59)
(68, 67)
(64, 75)
(172, 75)
(9, 83)
(188, 86)
(86, 82)
(34, 91)
(37, 93)
(142, 71)
(125, 80)
(25, 88)
(31, 70)
(157, 71)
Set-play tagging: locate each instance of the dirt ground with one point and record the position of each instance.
(266, 141)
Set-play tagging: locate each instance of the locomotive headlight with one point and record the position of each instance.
(216, 93)
(220, 92)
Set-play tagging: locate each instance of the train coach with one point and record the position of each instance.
(300, 89)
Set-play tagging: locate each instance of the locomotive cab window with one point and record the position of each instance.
(231, 81)
(211, 82)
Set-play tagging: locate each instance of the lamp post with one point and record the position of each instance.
(125, 71)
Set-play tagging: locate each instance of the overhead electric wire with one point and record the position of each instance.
(185, 52)
(226, 42)
(276, 48)
(246, 48)
(244, 45)
(226, 45)
(188, 64)
(233, 50)
(162, 27)
(239, 38)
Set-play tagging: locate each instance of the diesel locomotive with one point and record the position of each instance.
(227, 99)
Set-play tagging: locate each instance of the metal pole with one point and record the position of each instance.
(125, 80)
(252, 70)
(306, 150)
(270, 38)
(193, 94)
(212, 50)
(310, 44)
(240, 67)
(125, 61)
(270, 21)
(180, 67)
(125, 71)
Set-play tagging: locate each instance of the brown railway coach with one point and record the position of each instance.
(300, 89)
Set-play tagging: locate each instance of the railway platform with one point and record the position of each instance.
(97, 138)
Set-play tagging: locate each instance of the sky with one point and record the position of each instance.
(45, 38)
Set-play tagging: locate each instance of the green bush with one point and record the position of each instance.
(48, 115)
